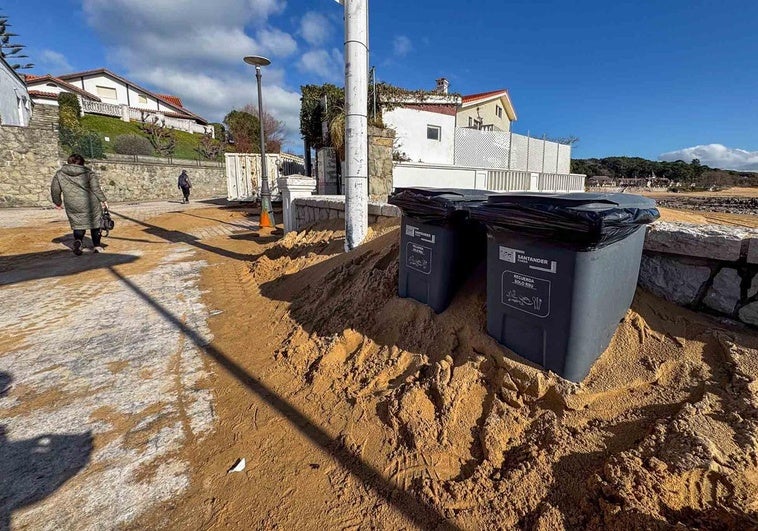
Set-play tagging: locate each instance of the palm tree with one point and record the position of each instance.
(11, 51)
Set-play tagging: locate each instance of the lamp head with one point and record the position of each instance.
(257, 60)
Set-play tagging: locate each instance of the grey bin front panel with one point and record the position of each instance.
(435, 259)
(555, 306)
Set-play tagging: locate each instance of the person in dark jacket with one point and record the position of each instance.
(185, 185)
(83, 199)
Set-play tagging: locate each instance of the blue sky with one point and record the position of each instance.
(638, 78)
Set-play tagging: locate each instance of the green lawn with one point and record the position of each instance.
(107, 126)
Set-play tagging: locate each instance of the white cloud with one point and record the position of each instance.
(196, 52)
(53, 62)
(401, 45)
(315, 28)
(328, 65)
(716, 156)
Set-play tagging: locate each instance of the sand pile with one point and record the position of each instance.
(662, 433)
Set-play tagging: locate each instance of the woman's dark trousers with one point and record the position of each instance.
(79, 235)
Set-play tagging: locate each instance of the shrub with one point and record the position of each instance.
(69, 111)
(89, 145)
(132, 145)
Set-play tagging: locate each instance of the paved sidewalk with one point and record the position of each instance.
(22, 217)
(100, 390)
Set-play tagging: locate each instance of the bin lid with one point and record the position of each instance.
(436, 203)
(579, 200)
(583, 219)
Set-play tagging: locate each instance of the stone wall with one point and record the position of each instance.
(28, 159)
(320, 207)
(709, 268)
(30, 156)
(380, 143)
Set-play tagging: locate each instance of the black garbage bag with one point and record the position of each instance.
(577, 220)
(437, 205)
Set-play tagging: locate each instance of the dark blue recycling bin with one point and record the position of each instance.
(439, 244)
(561, 273)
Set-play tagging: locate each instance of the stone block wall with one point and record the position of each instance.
(320, 207)
(123, 180)
(30, 156)
(28, 159)
(380, 143)
(709, 268)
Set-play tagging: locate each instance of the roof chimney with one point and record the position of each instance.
(442, 85)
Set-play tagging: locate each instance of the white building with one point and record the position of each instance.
(424, 127)
(101, 91)
(15, 103)
(449, 141)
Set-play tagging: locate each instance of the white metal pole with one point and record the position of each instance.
(356, 122)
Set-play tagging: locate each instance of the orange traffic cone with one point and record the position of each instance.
(266, 219)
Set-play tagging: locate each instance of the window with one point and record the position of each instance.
(499, 111)
(107, 92)
(433, 132)
(143, 99)
(51, 85)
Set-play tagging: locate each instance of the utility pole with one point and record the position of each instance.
(356, 122)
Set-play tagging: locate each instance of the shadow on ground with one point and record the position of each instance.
(32, 469)
(50, 264)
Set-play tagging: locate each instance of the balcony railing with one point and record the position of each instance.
(98, 107)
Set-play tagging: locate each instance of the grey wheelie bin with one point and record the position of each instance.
(561, 272)
(439, 244)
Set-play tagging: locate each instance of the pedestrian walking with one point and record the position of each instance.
(83, 200)
(185, 185)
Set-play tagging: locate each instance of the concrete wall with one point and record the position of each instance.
(15, 104)
(320, 207)
(410, 129)
(709, 268)
(28, 159)
(438, 176)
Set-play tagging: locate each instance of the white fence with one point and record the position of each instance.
(510, 151)
(243, 173)
(496, 180)
(98, 107)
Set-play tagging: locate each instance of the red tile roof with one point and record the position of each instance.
(481, 95)
(31, 77)
(68, 86)
(43, 95)
(176, 100)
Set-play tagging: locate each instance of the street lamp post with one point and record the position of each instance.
(267, 212)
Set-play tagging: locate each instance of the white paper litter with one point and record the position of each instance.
(239, 466)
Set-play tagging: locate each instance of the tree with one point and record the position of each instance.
(243, 129)
(209, 148)
(570, 140)
(162, 138)
(273, 129)
(313, 113)
(9, 51)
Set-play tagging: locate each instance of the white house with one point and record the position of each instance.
(101, 91)
(451, 141)
(424, 126)
(15, 103)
